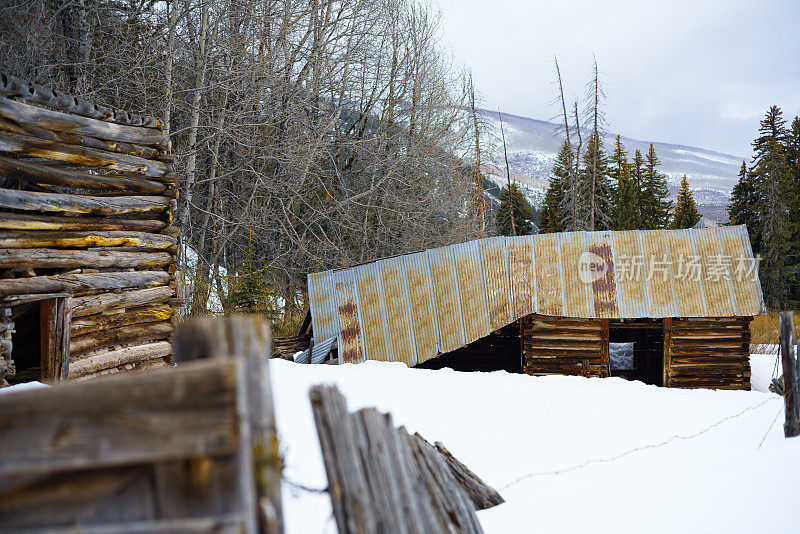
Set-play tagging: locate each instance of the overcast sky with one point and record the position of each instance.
(692, 72)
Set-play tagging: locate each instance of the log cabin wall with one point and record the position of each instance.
(87, 204)
(708, 353)
(564, 346)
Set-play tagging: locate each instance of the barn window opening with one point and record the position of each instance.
(499, 351)
(636, 351)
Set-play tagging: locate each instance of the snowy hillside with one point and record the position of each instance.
(533, 145)
(568, 454)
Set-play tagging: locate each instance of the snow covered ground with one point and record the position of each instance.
(568, 454)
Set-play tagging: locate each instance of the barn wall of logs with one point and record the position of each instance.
(87, 205)
(698, 352)
(564, 346)
(709, 353)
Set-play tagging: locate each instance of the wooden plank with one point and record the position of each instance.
(115, 358)
(107, 337)
(48, 258)
(605, 360)
(95, 205)
(667, 352)
(175, 413)
(127, 317)
(39, 221)
(23, 145)
(50, 239)
(40, 174)
(55, 320)
(791, 382)
(92, 304)
(83, 282)
(67, 122)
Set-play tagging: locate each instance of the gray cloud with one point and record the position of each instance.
(695, 72)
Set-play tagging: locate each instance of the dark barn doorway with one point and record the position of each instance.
(499, 351)
(636, 350)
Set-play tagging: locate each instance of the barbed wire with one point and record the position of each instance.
(636, 449)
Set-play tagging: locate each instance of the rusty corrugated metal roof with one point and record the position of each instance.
(411, 308)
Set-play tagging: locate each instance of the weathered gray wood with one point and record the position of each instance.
(127, 317)
(39, 174)
(77, 139)
(83, 282)
(100, 238)
(32, 93)
(259, 453)
(71, 123)
(48, 258)
(56, 317)
(115, 358)
(174, 413)
(56, 150)
(57, 202)
(791, 388)
(381, 479)
(107, 337)
(92, 304)
(223, 524)
(482, 495)
(37, 221)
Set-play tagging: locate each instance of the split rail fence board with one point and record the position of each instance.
(87, 206)
(185, 449)
(381, 479)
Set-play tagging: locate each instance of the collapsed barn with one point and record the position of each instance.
(667, 307)
(87, 244)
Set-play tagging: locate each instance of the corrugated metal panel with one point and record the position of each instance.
(604, 288)
(472, 290)
(688, 279)
(350, 339)
(448, 304)
(423, 306)
(658, 273)
(716, 276)
(746, 287)
(577, 292)
(373, 316)
(631, 279)
(549, 282)
(495, 272)
(398, 311)
(321, 350)
(322, 297)
(522, 275)
(438, 300)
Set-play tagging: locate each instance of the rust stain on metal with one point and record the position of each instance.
(322, 301)
(577, 292)
(495, 271)
(716, 276)
(448, 307)
(604, 289)
(658, 273)
(746, 286)
(629, 271)
(423, 310)
(687, 278)
(372, 317)
(471, 291)
(350, 349)
(548, 275)
(520, 257)
(398, 311)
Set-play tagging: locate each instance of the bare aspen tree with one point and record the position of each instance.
(481, 204)
(508, 176)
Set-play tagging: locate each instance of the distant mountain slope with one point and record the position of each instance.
(533, 145)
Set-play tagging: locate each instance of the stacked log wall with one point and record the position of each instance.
(87, 206)
(709, 353)
(564, 346)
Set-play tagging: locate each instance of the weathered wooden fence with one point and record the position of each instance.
(185, 449)
(381, 479)
(791, 375)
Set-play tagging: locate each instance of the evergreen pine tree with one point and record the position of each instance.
(655, 201)
(552, 217)
(638, 183)
(686, 214)
(772, 182)
(598, 196)
(626, 216)
(512, 200)
(792, 145)
(742, 207)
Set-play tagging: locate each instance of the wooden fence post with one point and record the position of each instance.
(791, 397)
